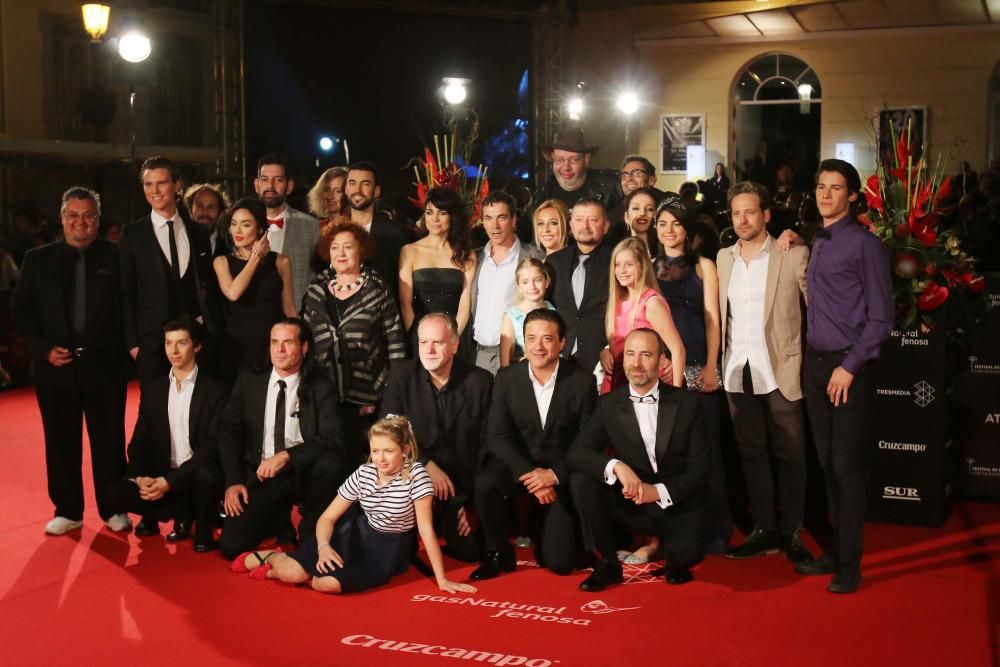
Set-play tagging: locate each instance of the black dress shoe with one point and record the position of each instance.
(758, 542)
(794, 550)
(604, 575)
(679, 575)
(147, 527)
(825, 564)
(204, 544)
(181, 531)
(495, 563)
(845, 580)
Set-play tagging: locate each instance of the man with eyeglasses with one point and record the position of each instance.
(572, 178)
(68, 307)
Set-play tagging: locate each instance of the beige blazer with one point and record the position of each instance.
(783, 309)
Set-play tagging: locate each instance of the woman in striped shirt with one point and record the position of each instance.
(373, 539)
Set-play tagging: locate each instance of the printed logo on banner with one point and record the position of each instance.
(993, 417)
(922, 393)
(977, 367)
(977, 470)
(900, 493)
(911, 338)
(525, 612)
(472, 655)
(916, 447)
(601, 607)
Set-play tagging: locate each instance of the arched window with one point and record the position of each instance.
(777, 78)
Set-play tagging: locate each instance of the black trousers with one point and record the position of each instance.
(271, 502)
(839, 434)
(558, 544)
(467, 549)
(195, 491)
(769, 426)
(102, 404)
(599, 505)
(721, 521)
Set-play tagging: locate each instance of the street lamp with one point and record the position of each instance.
(95, 19)
(134, 47)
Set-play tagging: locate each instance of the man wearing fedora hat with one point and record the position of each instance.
(572, 178)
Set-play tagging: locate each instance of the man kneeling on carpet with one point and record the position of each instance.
(373, 543)
(173, 462)
(658, 481)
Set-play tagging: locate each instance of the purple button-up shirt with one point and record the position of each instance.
(850, 293)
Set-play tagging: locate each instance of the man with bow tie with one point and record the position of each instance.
(657, 481)
(290, 231)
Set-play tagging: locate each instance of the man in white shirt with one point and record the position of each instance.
(281, 442)
(290, 231)
(173, 464)
(537, 409)
(658, 481)
(494, 288)
(762, 291)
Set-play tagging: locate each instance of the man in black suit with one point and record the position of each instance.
(537, 409)
(281, 442)
(173, 460)
(580, 289)
(387, 227)
(67, 305)
(658, 481)
(166, 272)
(446, 400)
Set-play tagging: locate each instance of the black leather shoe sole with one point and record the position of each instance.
(844, 583)
(679, 577)
(147, 529)
(205, 547)
(179, 533)
(599, 580)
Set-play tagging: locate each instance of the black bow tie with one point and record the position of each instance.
(650, 399)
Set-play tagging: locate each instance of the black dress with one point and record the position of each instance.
(249, 319)
(437, 291)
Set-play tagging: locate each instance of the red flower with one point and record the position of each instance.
(906, 265)
(932, 297)
(953, 279)
(944, 189)
(873, 192)
(922, 227)
(976, 284)
(903, 151)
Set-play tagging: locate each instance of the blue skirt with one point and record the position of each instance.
(371, 557)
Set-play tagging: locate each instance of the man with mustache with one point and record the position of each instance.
(290, 231)
(206, 202)
(572, 178)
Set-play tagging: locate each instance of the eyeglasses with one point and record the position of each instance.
(635, 173)
(572, 160)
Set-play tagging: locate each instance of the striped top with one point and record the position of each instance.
(389, 508)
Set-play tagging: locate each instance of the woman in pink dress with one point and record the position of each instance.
(634, 302)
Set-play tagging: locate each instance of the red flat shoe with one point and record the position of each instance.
(260, 572)
(239, 564)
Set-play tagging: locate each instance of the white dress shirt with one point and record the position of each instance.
(495, 292)
(179, 416)
(646, 414)
(293, 435)
(745, 330)
(162, 232)
(276, 234)
(543, 392)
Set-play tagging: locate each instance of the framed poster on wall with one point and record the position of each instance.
(677, 132)
(897, 120)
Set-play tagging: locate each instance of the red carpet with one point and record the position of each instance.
(930, 597)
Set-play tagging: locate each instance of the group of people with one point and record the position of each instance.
(385, 382)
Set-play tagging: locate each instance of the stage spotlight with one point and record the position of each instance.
(575, 108)
(134, 47)
(326, 144)
(628, 103)
(455, 91)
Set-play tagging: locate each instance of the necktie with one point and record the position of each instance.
(580, 278)
(649, 400)
(747, 379)
(279, 419)
(175, 262)
(80, 294)
(279, 223)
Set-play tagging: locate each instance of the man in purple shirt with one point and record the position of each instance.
(850, 315)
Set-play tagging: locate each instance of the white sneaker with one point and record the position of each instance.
(119, 523)
(61, 525)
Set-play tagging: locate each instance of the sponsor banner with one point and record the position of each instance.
(471, 655)
(508, 609)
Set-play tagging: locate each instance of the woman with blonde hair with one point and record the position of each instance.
(550, 222)
(326, 199)
(634, 301)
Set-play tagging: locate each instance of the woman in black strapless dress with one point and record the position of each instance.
(257, 284)
(437, 271)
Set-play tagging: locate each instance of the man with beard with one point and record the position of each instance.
(386, 226)
(206, 202)
(572, 178)
(290, 231)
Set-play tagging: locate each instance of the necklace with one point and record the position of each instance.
(358, 282)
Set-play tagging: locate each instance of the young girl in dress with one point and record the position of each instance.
(361, 546)
(532, 283)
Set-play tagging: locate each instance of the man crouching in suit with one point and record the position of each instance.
(657, 483)
(537, 409)
(173, 460)
(281, 442)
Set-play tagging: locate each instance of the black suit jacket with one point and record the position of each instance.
(145, 284)
(453, 440)
(390, 232)
(683, 459)
(241, 442)
(149, 451)
(42, 306)
(514, 430)
(584, 325)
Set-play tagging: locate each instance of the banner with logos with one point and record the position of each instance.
(907, 480)
(977, 400)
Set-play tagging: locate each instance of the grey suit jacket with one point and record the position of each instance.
(301, 236)
(526, 250)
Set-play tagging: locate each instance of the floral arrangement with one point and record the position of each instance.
(909, 209)
(432, 171)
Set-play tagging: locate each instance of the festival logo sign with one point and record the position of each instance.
(978, 470)
(977, 367)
